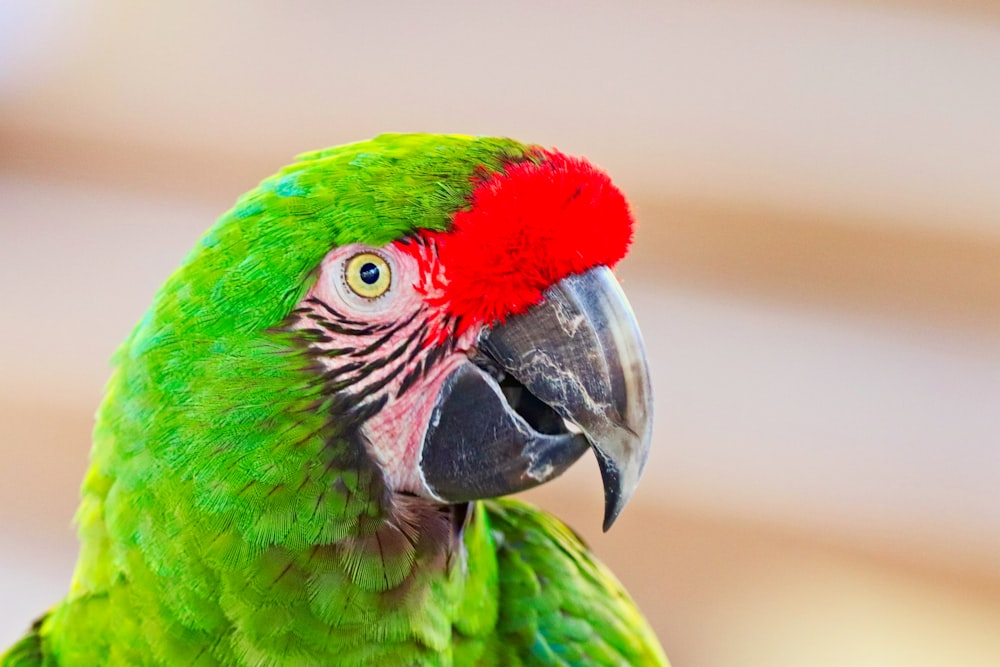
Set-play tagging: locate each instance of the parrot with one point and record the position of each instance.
(305, 444)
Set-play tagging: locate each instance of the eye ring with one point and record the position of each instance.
(368, 275)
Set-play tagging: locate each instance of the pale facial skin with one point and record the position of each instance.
(400, 319)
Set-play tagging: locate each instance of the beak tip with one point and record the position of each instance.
(621, 467)
(615, 496)
(609, 518)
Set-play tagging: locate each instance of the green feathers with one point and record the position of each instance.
(232, 514)
(561, 607)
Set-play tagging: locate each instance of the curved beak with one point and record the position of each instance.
(568, 374)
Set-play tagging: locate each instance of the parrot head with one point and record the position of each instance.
(513, 350)
(411, 317)
(288, 457)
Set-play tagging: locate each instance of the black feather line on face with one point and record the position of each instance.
(409, 380)
(437, 354)
(337, 315)
(338, 325)
(378, 386)
(434, 355)
(421, 344)
(364, 411)
(316, 335)
(346, 369)
(392, 331)
(333, 327)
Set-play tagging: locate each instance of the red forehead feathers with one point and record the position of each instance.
(526, 229)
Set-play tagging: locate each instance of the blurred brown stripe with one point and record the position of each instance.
(165, 171)
(890, 270)
(976, 9)
(887, 268)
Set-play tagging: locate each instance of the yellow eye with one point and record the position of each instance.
(368, 275)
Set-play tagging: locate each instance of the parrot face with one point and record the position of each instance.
(490, 392)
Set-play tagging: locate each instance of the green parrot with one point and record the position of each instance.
(302, 445)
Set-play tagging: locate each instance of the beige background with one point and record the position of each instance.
(817, 272)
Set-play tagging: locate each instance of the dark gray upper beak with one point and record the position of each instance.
(568, 373)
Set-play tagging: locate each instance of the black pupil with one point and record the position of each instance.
(369, 273)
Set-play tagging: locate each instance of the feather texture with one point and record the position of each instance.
(232, 514)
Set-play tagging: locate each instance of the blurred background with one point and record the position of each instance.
(817, 272)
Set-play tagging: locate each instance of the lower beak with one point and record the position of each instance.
(568, 374)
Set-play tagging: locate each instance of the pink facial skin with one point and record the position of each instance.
(399, 325)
